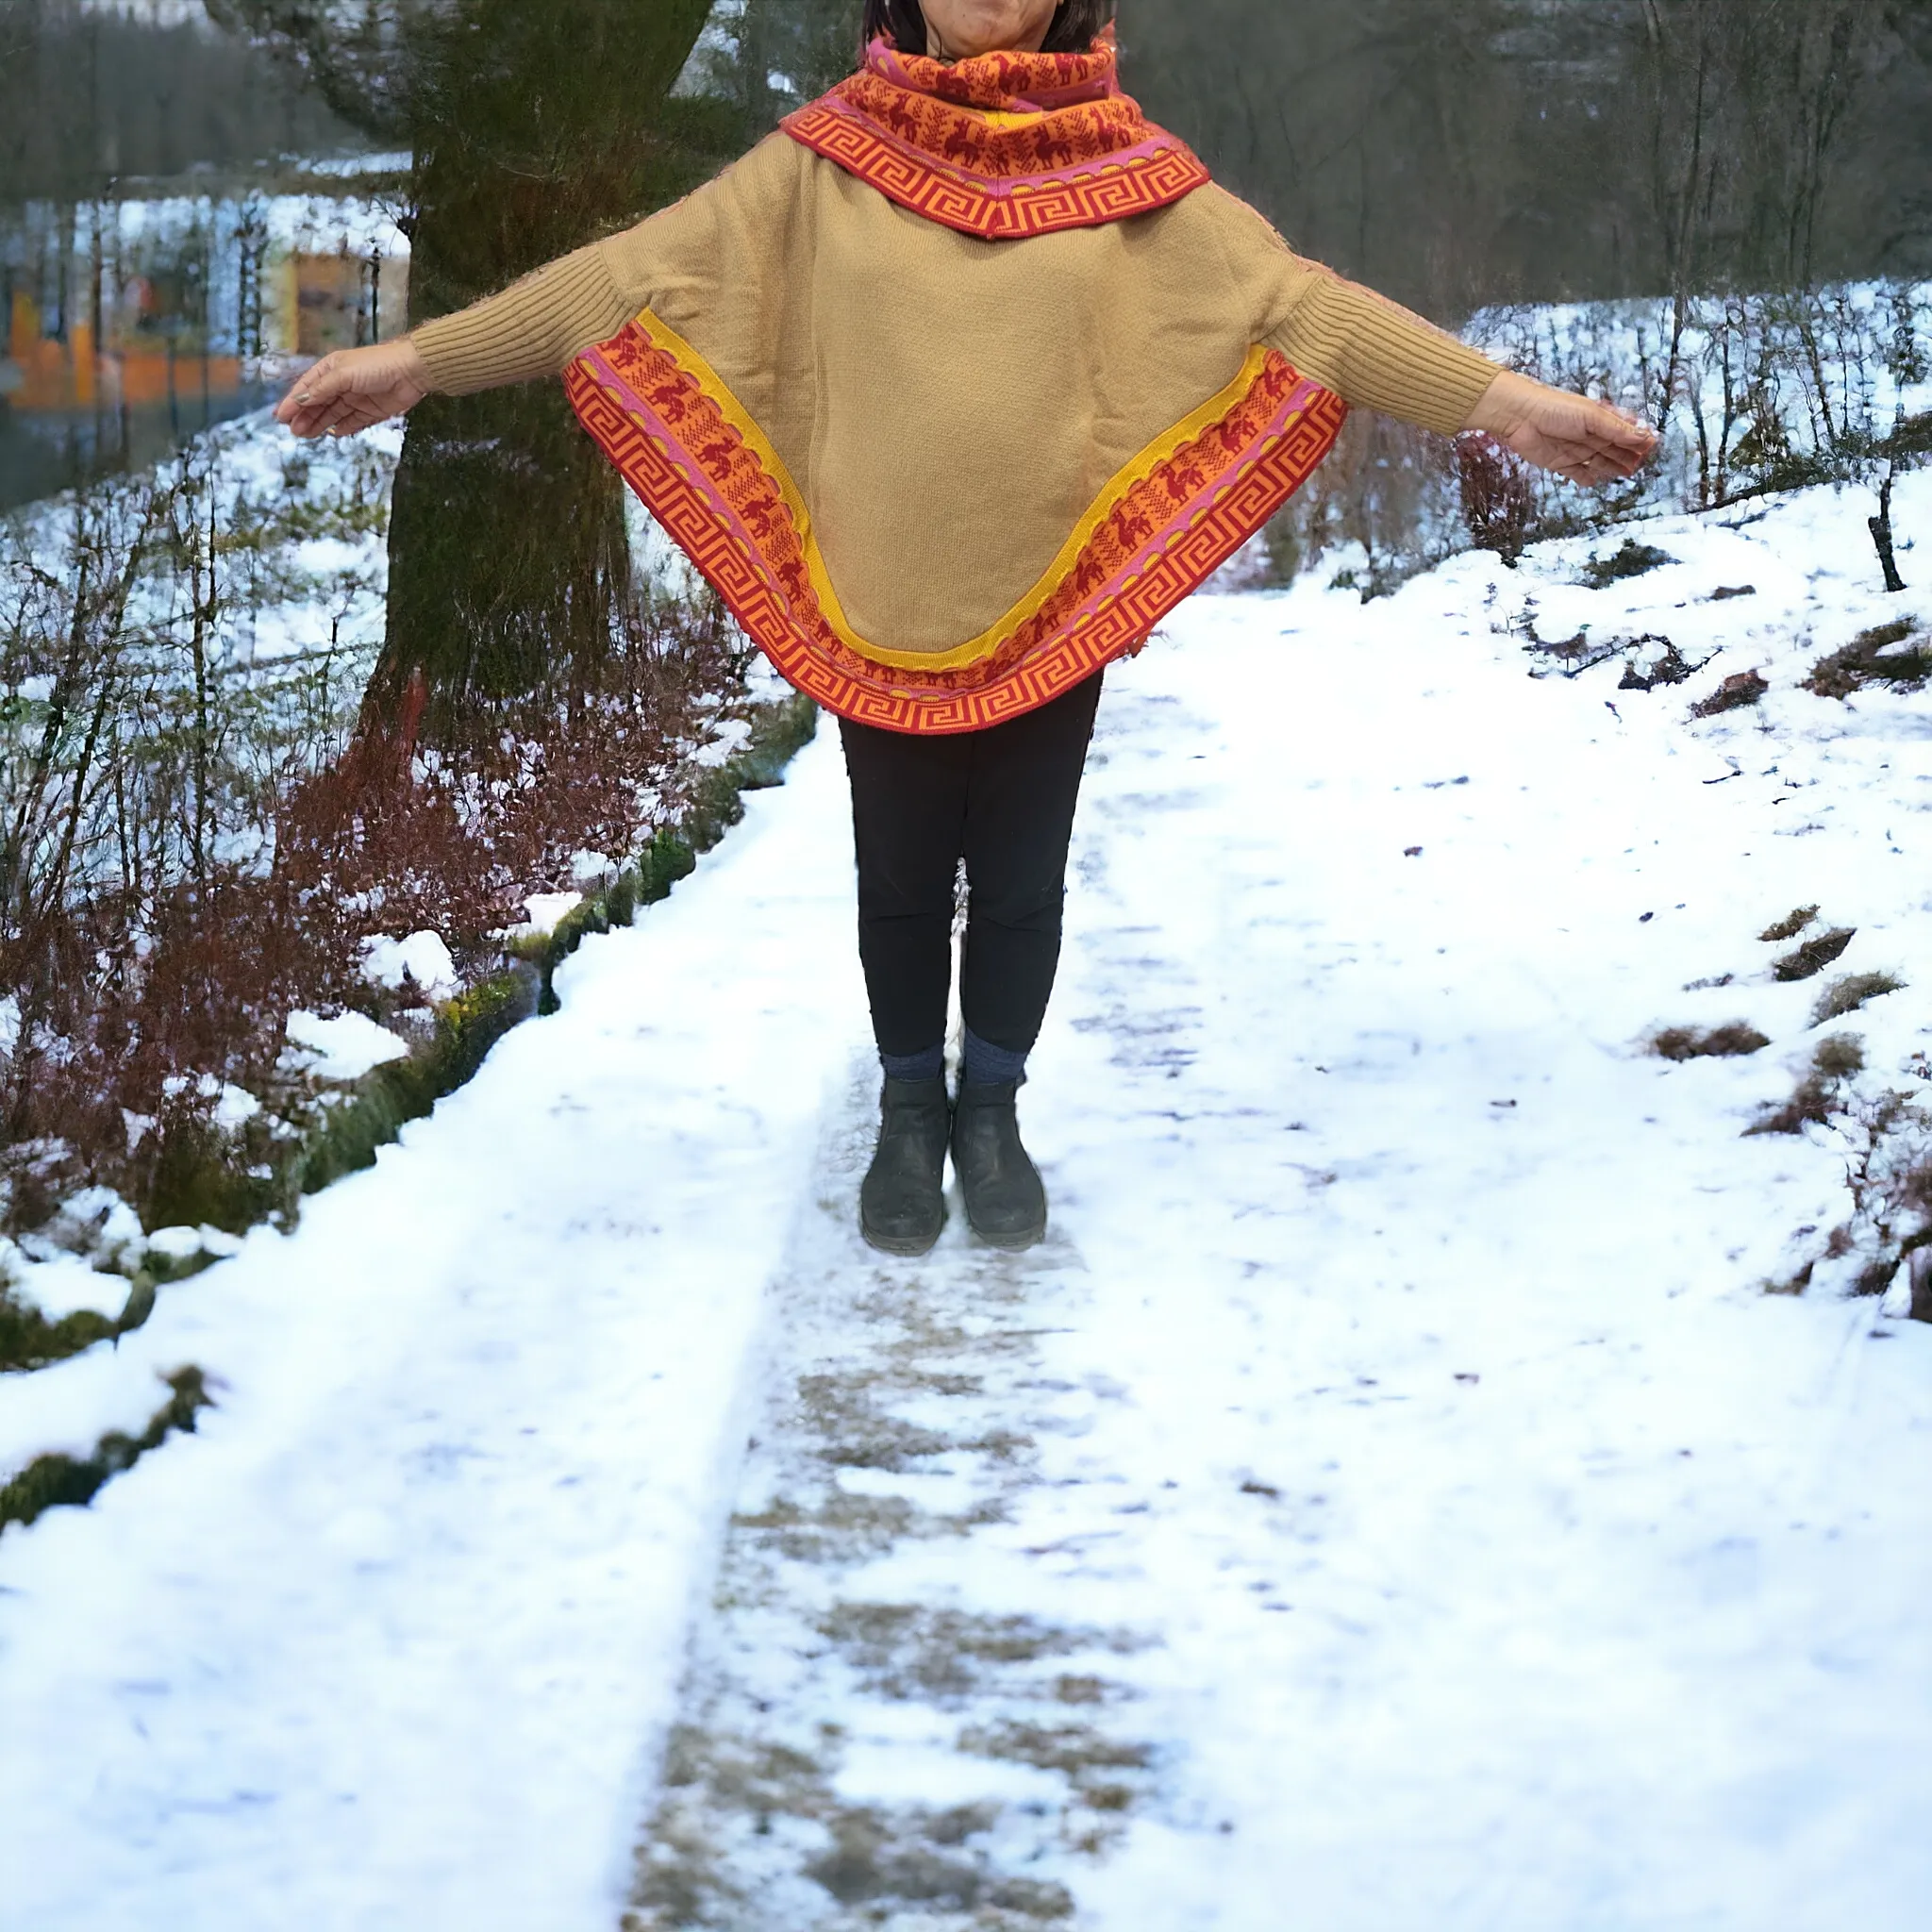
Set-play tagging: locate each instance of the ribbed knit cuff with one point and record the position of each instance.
(1375, 354)
(530, 329)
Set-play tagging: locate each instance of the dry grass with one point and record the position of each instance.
(1632, 560)
(1809, 960)
(1669, 666)
(1743, 688)
(1712, 1042)
(1789, 926)
(1880, 657)
(1819, 1094)
(1848, 995)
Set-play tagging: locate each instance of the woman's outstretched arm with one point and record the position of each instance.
(530, 329)
(535, 326)
(1376, 355)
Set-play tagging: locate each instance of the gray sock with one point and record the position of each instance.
(928, 1065)
(984, 1063)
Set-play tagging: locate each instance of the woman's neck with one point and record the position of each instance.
(1027, 43)
(935, 48)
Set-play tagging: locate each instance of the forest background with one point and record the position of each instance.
(1451, 153)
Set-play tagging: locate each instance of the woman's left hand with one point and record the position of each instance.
(1583, 441)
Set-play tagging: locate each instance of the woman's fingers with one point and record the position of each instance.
(344, 413)
(1581, 441)
(333, 411)
(318, 385)
(352, 389)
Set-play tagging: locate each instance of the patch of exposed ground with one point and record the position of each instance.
(872, 1734)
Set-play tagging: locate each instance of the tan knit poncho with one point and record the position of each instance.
(958, 383)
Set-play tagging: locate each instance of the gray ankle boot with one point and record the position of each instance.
(901, 1205)
(1005, 1201)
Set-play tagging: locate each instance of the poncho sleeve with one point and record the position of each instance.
(1372, 352)
(677, 259)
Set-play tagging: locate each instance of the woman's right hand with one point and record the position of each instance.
(1583, 440)
(354, 388)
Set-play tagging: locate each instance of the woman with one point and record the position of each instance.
(953, 386)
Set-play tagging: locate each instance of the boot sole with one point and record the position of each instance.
(906, 1246)
(1028, 1238)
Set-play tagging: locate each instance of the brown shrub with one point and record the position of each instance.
(1692, 1043)
(1873, 657)
(1498, 501)
(132, 992)
(1848, 995)
(1817, 1096)
(1814, 956)
(1791, 925)
(1741, 689)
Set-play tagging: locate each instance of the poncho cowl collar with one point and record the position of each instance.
(1002, 145)
(1006, 83)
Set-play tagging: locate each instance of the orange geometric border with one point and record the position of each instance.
(651, 415)
(1086, 165)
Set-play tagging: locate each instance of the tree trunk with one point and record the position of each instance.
(1919, 1271)
(538, 126)
(1880, 527)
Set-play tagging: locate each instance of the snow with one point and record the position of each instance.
(1394, 1433)
(547, 912)
(730, 739)
(233, 1106)
(189, 1243)
(399, 161)
(423, 957)
(95, 1223)
(343, 1047)
(59, 1286)
(299, 622)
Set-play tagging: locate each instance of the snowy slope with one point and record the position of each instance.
(1389, 1501)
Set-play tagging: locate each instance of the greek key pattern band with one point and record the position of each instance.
(1136, 181)
(716, 501)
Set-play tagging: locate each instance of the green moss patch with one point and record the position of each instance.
(29, 1341)
(51, 1482)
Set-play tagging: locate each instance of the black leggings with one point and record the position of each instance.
(1002, 799)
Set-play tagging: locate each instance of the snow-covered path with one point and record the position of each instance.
(1388, 1504)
